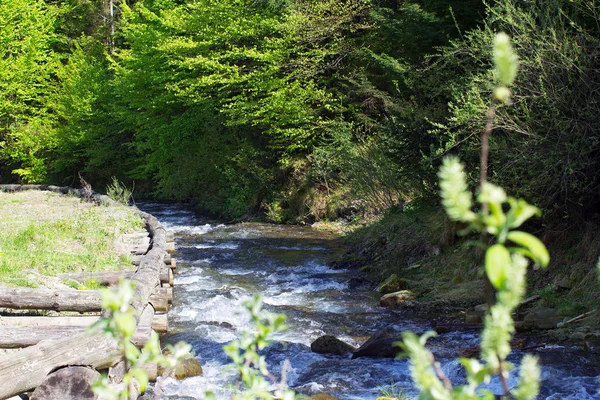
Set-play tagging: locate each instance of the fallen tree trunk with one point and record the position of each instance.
(66, 300)
(112, 278)
(159, 322)
(15, 337)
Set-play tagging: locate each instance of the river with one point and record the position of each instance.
(221, 265)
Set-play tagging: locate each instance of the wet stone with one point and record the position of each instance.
(328, 344)
(402, 298)
(542, 318)
(382, 344)
(322, 396)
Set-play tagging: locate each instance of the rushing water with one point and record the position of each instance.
(220, 266)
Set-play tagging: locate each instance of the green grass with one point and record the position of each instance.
(50, 234)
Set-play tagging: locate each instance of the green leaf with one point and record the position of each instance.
(125, 324)
(131, 352)
(141, 376)
(520, 211)
(497, 264)
(534, 245)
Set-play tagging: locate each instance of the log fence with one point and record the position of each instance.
(61, 348)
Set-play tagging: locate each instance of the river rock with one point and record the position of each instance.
(591, 343)
(404, 298)
(392, 284)
(187, 368)
(329, 344)
(381, 345)
(322, 396)
(476, 315)
(541, 318)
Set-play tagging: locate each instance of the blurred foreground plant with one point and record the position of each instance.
(121, 324)
(506, 264)
(251, 366)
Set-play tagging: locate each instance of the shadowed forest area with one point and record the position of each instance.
(304, 110)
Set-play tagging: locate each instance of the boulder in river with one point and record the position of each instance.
(591, 342)
(329, 344)
(392, 284)
(541, 318)
(187, 368)
(322, 396)
(382, 344)
(404, 298)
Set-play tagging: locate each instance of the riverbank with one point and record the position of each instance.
(422, 253)
(44, 234)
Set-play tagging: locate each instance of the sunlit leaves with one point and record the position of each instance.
(121, 324)
(497, 265)
(422, 366)
(529, 379)
(506, 65)
(456, 197)
(532, 246)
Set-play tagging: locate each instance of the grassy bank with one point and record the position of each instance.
(423, 249)
(45, 234)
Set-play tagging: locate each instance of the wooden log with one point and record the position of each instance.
(14, 337)
(70, 383)
(167, 276)
(170, 247)
(152, 371)
(115, 376)
(66, 300)
(110, 278)
(173, 264)
(137, 259)
(577, 318)
(159, 322)
(141, 247)
(26, 369)
(48, 299)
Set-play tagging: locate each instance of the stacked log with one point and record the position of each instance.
(51, 346)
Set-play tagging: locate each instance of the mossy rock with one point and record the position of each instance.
(400, 298)
(322, 396)
(392, 284)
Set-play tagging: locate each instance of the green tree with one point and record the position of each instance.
(27, 65)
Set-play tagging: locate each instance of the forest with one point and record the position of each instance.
(299, 110)
(304, 111)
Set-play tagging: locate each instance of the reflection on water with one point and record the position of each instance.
(220, 266)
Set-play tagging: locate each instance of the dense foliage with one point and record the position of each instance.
(299, 109)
